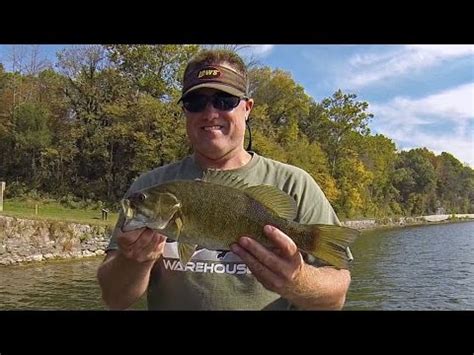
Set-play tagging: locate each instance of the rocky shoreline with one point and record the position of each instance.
(23, 240)
(406, 221)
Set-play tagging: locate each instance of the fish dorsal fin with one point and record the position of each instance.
(269, 196)
(222, 177)
(186, 252)
(275, 199)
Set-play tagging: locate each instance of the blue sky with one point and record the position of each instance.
(420, 95)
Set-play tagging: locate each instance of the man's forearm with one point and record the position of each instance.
(320, 288)
(123, 281)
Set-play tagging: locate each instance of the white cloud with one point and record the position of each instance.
(461, 148)
(454, 104)
(410, 122)
(370, 68)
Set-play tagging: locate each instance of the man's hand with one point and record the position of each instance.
(141, 245)
(283, 270)
(278, 269)
(125, 273)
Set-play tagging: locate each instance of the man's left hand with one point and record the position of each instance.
(279, 268)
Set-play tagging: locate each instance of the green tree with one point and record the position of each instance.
(279, 101)
(454, 184)
(341, 116)
(31, 134)
(153, 69)
(378, 154)
(353, 181)
(415, 180)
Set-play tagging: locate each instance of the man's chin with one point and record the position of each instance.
(213, 152)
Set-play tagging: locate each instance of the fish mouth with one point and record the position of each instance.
(136, 222)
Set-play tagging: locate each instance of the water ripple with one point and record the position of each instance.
(413, 268)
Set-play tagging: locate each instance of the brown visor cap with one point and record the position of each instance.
(215, 77)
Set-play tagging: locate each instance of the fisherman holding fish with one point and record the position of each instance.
(225, 228)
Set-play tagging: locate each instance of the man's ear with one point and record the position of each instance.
(248, 108)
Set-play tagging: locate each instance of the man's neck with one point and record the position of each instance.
(232, 160)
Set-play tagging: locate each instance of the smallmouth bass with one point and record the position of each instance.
(215, 211)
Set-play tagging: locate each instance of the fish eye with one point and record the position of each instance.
(142, 197)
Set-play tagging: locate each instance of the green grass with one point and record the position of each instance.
(55, 211)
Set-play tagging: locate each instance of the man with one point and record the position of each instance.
(216, 107)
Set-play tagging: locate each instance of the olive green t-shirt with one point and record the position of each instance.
(216, 280)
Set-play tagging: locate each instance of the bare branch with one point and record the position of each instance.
(27, 60)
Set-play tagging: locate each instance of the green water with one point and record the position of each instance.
(56, 285)
(413, 268)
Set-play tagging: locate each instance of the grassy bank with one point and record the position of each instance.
(51, 210)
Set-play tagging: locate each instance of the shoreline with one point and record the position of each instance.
(400, 222)
(24, 241)
(424, 224)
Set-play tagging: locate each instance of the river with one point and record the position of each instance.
(411, 268)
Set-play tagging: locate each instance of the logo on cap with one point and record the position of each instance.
(209, 73)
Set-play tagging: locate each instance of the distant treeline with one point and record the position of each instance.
(84, 130)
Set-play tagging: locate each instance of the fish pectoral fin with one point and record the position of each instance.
(127, 210)
(167, 206)
(179, 226)
(186, 252)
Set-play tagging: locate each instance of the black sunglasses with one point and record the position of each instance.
(221, 101)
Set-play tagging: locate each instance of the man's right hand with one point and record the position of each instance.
(124, 275)
(141, 245)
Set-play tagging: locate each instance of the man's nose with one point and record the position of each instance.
(210, 110)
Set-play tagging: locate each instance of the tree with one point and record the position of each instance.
(31, 134)
(454, 184)
(378, 154)
(279, 101)
(353, 181)
(153, 69)
(415, 180)
(341, 115)
(27, 60)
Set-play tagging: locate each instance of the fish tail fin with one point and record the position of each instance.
(330, 243)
